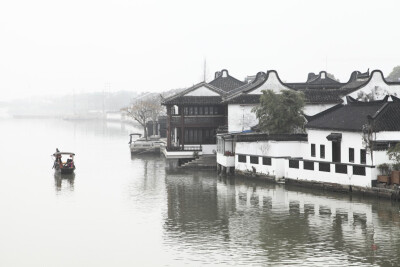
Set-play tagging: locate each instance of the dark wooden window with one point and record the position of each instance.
(363, 156)
(322, 151)
(242, 158)
(190, 110)
(267, 161)
(191, 141)
(211, 110)
(294, 164)
(359, 170)
(216, 110)
(351, 154)
(195, 111)
(200, 110)
(195, 140)
(205, 110)
(312, 150)
(254, 159)
(340, 168)
(308, 165)
(324, 167)
(186, 110)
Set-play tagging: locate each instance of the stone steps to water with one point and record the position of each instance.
(203, 163)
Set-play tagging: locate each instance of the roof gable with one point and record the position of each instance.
(199, 90)
(225, 82)
(376, 86)
(202, 91)
(317, 82)
(271, 82)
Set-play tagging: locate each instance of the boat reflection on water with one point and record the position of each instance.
(64, 182)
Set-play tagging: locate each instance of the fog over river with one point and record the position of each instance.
(119, 210)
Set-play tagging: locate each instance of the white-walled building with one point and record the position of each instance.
(321, 93)
(332, 152)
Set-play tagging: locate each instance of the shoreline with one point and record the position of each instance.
(371, 192)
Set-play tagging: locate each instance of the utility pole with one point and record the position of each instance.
(205, 70)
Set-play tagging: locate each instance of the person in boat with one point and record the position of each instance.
(70, 162)
(58, 159)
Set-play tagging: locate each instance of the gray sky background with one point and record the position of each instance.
(53, 47)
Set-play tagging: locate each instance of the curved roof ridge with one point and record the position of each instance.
(266, 79)
(370, 78)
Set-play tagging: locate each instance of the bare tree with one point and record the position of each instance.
(156, 110)
(143, 110)
(369, 137)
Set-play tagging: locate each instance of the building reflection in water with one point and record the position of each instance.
(257, 222)
(64, 182)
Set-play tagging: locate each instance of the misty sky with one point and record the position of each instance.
(54, 47)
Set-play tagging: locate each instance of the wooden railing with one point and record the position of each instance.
(185, 148)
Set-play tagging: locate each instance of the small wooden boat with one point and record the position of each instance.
(64, 167)
(142, 146)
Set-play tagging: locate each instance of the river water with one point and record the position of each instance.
(119, 210)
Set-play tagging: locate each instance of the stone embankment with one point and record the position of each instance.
(380, 191)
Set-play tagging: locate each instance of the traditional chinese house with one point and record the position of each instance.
(194, 115)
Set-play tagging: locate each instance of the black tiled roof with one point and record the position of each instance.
(333, 96)
(389, 118)
(385, 116)
(354, 84)
(349, 117)
(316, 90)
(251, 137)
(316, 82)
(222, 84)
(244, 99)
(259, 80)
(225, 82)
(324, 96)
(195, 100)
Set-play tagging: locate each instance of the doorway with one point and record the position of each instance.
(336, 151)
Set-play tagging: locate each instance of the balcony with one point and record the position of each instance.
(199, 120)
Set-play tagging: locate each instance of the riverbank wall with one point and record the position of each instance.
(379, 191)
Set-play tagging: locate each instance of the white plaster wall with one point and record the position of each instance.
(272, 83)
(349, 140)
(332, 176)
(275, 169)
(386, 136)
(381, 157)
(271, 148)
(225, 161)
(202, 91)
(312, 109)
(377, 87)
(209, 149)
(241, 117)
